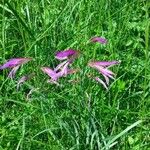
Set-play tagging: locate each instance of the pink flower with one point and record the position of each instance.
(102, 67)
(99, 40)
(14, 63)
(67, 54)
(70, 55)
(51, 73)
(61, 70)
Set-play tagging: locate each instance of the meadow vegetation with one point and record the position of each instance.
(81, 114)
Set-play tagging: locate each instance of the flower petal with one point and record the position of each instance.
(105, 63)
(64, 70)
(102, 82)
(106, 79)
(60, 66)
(104, 70)
(51, 73)
(102, 67)
(14, 62)
(99, 40)
(13, 72)
(66, 54)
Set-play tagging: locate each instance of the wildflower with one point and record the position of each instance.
(57, 72)
(70, 55)
(62, 69)
(102, 67)
(99, 40)
(67, 54)
(14, 63)
(51, 73)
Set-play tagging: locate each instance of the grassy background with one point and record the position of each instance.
(80, 115)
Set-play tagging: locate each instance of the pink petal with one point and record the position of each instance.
(106, 79)
(14, 62)
(51, 73)
(99, 39)
(105, 70)
(102, 82)
(13, 72)
(105, 63)
(65, 54)
(64, 70)
(60, 66)
(102, 67)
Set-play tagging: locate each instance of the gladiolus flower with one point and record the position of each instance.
(51, 73)
(67, 54)
(14, 63)
(70, 55)
(62, 69)
(102, 67)
(57, 73)
(99, 40)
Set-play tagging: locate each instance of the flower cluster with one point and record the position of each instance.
(61, 69)
(66, 58)
(102, 67)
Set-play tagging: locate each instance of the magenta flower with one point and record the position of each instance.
(61, 70)
(14, 63)
(51, 73)
(67, 54)
(99, 40)
(102, 67)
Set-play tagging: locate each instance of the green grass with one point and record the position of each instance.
(82, 115)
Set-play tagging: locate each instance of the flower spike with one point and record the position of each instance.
(67, 54)
(102, 67)
(14, 63)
